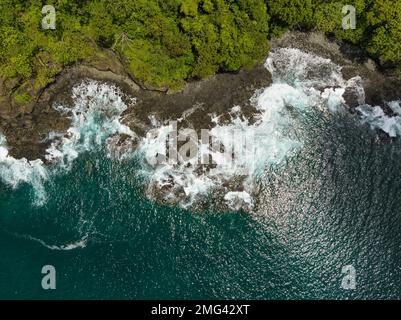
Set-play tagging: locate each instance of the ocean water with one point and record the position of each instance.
(320, 193)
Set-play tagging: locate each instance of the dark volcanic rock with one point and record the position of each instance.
(26, 132)
(27, 127)
(200, 99)
(380, 85)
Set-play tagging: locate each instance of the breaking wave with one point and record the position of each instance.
(377, 119)
(15, 172)
(95, 118)
(302, 83)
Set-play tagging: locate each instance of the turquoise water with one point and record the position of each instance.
(336, 203)
(327, 195)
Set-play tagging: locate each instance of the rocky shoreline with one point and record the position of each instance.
(27, 128)
(380, 85)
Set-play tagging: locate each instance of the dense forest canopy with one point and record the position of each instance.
(164, 42)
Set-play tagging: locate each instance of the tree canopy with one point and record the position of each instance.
(164, 42)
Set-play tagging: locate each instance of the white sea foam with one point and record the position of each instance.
(395, 106)
(301, 69)
(267, 142)
(95, 117)
(79, 244)
(300, 81)
(238, 200)
(15, 172)
(377, 119)
(317, 77)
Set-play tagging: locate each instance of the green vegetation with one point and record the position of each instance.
(164, 42)
(23, 98)
(161, 42)
(378, 27)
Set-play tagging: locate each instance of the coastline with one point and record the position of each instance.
(26, 128)
(380, 84)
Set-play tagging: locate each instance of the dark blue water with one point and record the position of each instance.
(336, 203)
